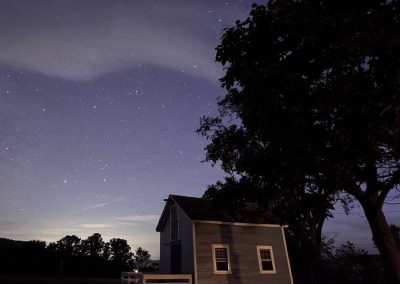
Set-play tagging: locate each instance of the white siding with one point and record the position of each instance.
(242, 242)
(164, 248)
(186, 237)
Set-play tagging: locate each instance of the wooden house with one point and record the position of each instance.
(214, 246)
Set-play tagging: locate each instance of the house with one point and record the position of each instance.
(214, 246)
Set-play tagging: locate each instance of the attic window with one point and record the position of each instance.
(221, 259)
(266, 261)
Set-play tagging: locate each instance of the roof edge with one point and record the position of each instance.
(240, 224)
(163, 219)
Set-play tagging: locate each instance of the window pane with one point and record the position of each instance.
(221, 253)
(221, 259)
(266, 265)
(265, 254)
(265, 259)
(222, 266)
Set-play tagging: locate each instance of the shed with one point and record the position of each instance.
(198, 237)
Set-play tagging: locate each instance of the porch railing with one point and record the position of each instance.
(140, 278)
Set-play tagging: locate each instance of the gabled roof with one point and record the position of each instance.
(199, 209)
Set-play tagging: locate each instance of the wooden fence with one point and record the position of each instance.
(140, 278)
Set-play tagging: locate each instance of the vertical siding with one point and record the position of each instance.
(165, 248)
(185, 236)
(242, 241)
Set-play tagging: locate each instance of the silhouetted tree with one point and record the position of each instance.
(396, 234)
(120, 254)
(150, 266)
(67, 258)
(141, 257)
(355, 265)
(93, 245)
(22, 257)
(106, 251)
(68, 245)
(313, 106)
(348, 249)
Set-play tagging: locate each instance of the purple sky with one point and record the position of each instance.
(99, 101)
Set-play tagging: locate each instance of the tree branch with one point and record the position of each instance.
(387, 187)
(356, 191)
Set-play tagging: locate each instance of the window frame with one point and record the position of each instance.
(225, 246)
(259, 248)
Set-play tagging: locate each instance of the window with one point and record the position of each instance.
(266, 259)
(221, 259)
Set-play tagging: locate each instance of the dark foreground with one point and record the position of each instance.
(56, 280)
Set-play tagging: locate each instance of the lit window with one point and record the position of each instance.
(221, 259)
(266, 259)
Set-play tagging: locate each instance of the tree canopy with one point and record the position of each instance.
(93, 245)
(120, 253)
(68, 245)
(141, 257)
(313, 106)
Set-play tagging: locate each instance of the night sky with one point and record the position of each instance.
(99, 103)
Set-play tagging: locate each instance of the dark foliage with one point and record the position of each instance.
(312, 109)
(396, 234)
(120, 254)
(150, 266)
(93, 245)
(67, 246)
(70, 257)
(353, 265)
(23, 258)
(142, 257)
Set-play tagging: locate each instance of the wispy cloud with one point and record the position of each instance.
(96, 226)
(123, 222)
(95, 206)
(75, 41)
(139, 218)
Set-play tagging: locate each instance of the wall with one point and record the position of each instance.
(185, 236)
(164, 248)
(242, 241)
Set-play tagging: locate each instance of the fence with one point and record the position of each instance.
(140, 278)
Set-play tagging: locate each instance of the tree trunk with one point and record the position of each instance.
(384, 241)
(315, 243)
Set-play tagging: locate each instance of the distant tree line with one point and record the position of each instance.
(73, 256)
(349, 264)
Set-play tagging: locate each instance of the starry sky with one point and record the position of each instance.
(99, 103)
